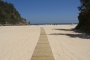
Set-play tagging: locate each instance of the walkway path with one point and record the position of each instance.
(43, 50)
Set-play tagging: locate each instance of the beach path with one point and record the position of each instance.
(43, 50)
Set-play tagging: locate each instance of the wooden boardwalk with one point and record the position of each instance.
(42, 50)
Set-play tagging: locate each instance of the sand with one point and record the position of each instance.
(66, 44)
(19, 42)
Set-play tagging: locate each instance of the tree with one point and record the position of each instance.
(0, 0)
(84, 16)
(9, 14)
(29, 23)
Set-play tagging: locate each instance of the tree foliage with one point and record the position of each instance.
(29, 23)
(9, 15)
(84, 16)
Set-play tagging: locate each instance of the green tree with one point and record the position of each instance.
(84, 16)
(0, 0)
(29, 23)
(9, 15)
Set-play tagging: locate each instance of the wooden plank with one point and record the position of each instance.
(43, 50)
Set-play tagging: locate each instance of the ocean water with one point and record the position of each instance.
(53, 23)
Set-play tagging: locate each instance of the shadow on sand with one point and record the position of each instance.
(74, 35)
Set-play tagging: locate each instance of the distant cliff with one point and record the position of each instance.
(9, 15)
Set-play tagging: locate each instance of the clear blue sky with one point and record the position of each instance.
(48, 11)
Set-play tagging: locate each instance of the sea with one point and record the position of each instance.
(53, 23)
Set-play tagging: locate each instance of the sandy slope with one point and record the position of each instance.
(66, 44)
(18, 42)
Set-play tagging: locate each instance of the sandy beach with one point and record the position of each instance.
(19, 42)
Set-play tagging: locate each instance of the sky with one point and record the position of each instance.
(48, 11)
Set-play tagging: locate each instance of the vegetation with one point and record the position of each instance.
(29, 23)
(84, 16)
(9, 15)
